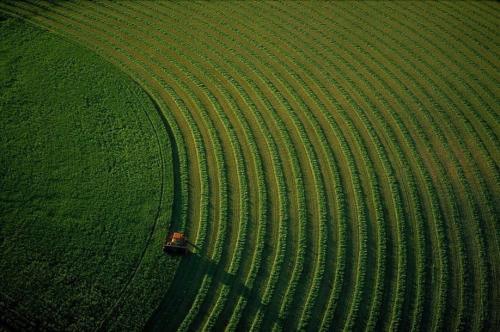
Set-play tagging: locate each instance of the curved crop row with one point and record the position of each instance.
(452, 200)
(420, 268)
(351, 55)
(484, 127)
(386, 164)
(316, 174)
(289, 146)
(232, 270)
(468, 126)
(457, 136)
(312, 120)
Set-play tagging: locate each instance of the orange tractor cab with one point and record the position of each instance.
(176, 243)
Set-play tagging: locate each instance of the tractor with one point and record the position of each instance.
(176, 243)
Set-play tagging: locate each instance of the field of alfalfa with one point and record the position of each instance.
(335, 164)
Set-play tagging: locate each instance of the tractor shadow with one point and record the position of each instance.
(220, 275)
(188, 280)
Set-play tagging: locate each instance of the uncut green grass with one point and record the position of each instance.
(86, 188)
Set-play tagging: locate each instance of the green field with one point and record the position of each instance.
(336, 165)
(86, 186)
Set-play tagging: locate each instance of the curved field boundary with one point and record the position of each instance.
(242, 223)
(219, 301)
(201, 163)
(160, 127)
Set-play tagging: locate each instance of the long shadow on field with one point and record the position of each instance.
(176, 303)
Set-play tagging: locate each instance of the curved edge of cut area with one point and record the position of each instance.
(86, 188)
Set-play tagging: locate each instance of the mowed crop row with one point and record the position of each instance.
(338, 162)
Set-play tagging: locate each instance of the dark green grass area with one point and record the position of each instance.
(85, 188)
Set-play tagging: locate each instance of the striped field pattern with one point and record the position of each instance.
(338, 162)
